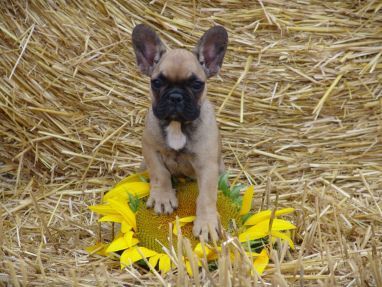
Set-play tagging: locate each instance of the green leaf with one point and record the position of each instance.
(238, 201)
(144, 179)
(235, 191)
(143, 264)
(258, 244)
(223, 184)
(213, 265)
(174, 181)
(133, 202)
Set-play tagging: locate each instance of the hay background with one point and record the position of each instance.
(72, 106)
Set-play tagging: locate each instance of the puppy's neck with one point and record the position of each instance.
(174, 136)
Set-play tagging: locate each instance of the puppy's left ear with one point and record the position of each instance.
(148, 48)
(211, 48)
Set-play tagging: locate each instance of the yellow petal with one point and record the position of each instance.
(164, 263)
(187, 219)
(123, 209)
(199, 250)
(131, 255)
(188, 267)
(277, 224)
(182, 222)
(247, 200)
(283, 236)
(266, 214)
(134, 178)
(104, 209)
(153, 260)
(111, 218)
(261, 262)
(122, 191)
(125, 227)
(128, 236)
(252, 254)
(211, 254)
(263, 227)
(117, 244)
(98, 248)
(252, 234)
(121, 244)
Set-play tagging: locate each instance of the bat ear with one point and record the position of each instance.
(211, 48)
(148, 48)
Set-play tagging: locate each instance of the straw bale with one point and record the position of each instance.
(298, 100)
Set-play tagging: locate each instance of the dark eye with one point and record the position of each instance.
(197, 85)
(156, 83)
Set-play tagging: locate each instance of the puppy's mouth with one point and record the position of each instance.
(176, 106)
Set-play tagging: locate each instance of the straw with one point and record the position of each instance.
(298, 102)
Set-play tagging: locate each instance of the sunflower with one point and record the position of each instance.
(143, 234)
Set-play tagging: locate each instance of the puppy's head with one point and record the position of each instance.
(178, 77)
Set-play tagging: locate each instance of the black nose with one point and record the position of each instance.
(175, 98)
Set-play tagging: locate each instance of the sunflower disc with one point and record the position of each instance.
(152, 228)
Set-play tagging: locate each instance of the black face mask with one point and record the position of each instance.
(177, 101)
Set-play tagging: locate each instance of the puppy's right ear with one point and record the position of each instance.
(148, 48)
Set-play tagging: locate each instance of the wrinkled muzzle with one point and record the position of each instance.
(176, 105)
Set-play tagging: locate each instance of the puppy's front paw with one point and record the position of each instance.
(163, 202)
(207, 227)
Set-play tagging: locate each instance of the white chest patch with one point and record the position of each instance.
(175, 138)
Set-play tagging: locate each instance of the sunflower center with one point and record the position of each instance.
(153, 228)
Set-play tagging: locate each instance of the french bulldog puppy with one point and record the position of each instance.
(181, 136)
